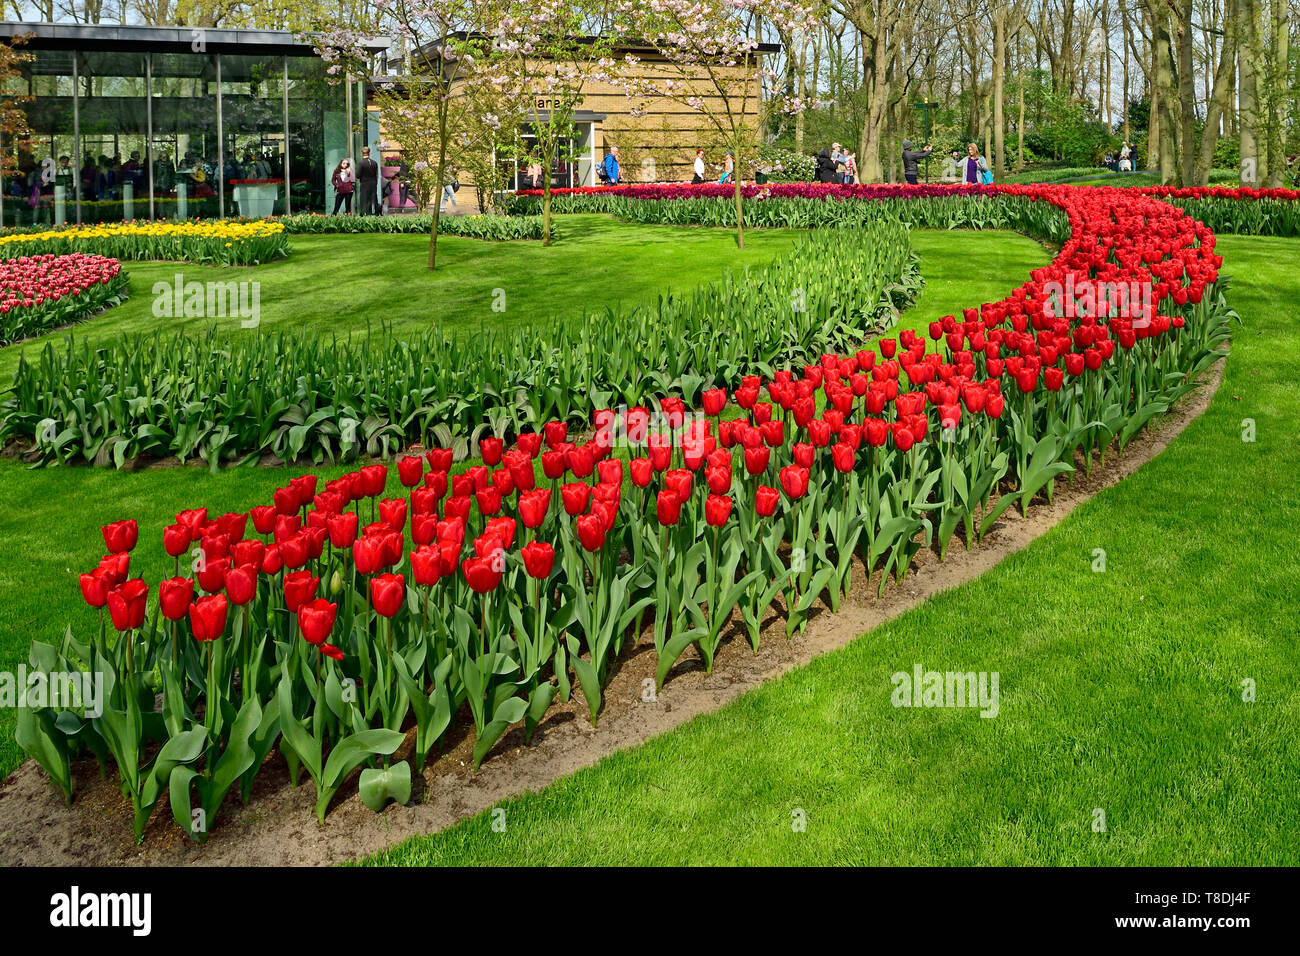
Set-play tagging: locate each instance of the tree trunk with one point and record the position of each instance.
(1186, 95)
(877, 99)
(740, 208)
(1248, 92)
(442, 172)
(1278, 101)
(999, 78)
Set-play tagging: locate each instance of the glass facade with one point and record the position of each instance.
(176, 135)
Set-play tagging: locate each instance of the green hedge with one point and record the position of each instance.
(995, 211)
(492, 227)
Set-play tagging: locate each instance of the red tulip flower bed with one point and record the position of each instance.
(336, 617)
(39, 293)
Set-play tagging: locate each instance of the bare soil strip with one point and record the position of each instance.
(279, 826)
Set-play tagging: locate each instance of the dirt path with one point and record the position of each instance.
(279, 826)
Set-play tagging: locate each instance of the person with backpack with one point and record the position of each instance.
(609, 168)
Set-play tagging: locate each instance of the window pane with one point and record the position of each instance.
(112, 110)
(184, 145)
(252, 113)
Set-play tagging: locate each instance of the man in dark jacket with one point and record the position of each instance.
(910, 158)
(367, 184)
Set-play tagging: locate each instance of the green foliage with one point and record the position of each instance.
(489, 227)
(325, 399)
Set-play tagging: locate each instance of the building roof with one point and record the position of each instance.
(112, 36)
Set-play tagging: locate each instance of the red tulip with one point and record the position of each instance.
(120, 535)
(539, 558)
(424, 529)
(717, 509)
(248, 552)
(392, 512)
(176, 539)
(714, 400)
(386, 593)
(490, 449)
(174, 597)
(575, 496)
(263, 518)
(533, 506)
(241, 583)
(315, 621)
(482, 574)
(842, 455)
(208, 617)
(126, 604)
(299, 588)
(765, 501)
(286, 501)
(668, 507)
(591, 530)
(410, 470)
(556, 433)
(212, 575)
(94, 589)
(641, 471)
(794, 479)
(426, 566)
(342, 529)
(373, 480)
(272, 563)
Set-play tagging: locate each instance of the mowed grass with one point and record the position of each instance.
(50, 518)
(1121, 690)
(336, 284)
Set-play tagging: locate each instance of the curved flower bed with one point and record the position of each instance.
(327, 399)
(210, 241)
(39, 293)
(336, 619)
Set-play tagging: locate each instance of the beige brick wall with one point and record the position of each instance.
(661, 143)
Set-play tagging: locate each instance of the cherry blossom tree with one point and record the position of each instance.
(554, 49)
(450, 49)
(703, 54)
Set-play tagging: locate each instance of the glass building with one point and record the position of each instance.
(132, 122)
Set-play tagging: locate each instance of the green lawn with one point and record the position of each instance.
(333, 284)
(1120, 690)
(50, 518)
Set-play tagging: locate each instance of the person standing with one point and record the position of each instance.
(610, 167)
(449, 189)
(1125, 158)
(699, 167)
(974, 166)
(910, 159)
(728, 169)
(367, 184)
(344, 181)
